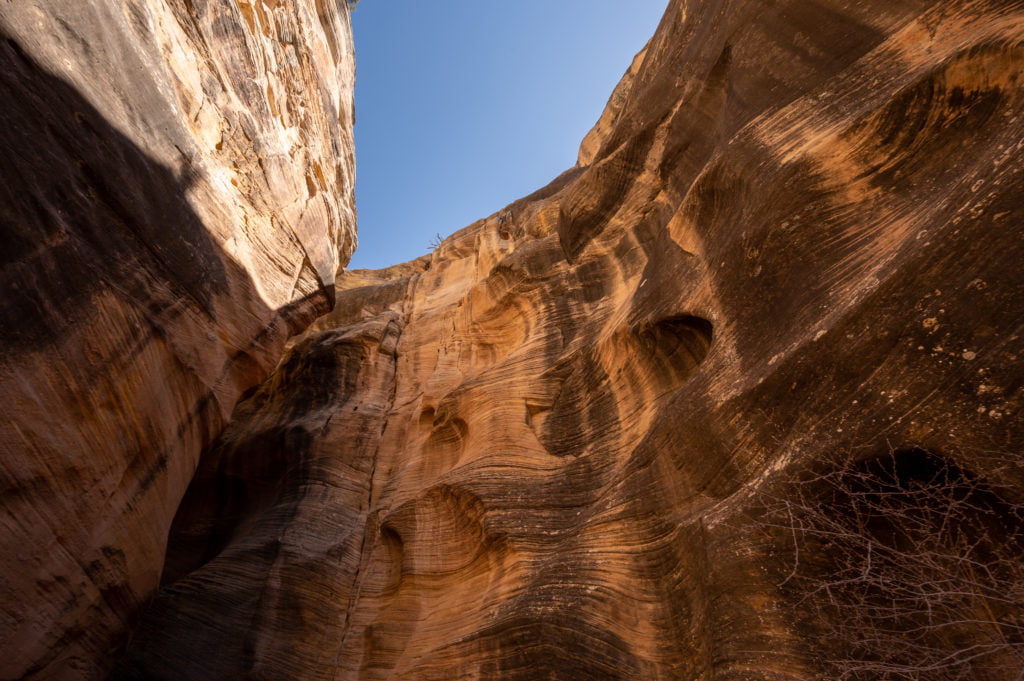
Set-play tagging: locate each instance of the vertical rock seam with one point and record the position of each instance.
(290, 484)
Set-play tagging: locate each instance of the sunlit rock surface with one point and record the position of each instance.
(537, 452)
(543, 451)
(175, 199)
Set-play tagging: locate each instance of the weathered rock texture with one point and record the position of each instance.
(175, 198)
(546, 450)
(541, 450)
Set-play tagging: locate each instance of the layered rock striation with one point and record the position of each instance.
(176, 198)
(737, 397)
(556, 447)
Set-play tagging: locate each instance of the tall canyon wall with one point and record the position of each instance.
(628, 427)
(176, 197)
(550, 449)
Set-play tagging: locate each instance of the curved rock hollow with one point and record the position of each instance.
(176, 198)
(601, 434)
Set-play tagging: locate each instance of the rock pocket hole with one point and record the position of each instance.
(674, 346)
(446, 443)
(427, 417)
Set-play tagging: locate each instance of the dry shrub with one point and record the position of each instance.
(903, 567)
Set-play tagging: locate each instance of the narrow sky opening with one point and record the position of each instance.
(464, 106)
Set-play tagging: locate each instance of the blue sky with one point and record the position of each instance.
(463, 106)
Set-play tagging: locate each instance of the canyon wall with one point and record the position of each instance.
(551, 447)
(176, 198)
(699, 409)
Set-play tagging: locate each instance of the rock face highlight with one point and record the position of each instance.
(557, 446)
(176, 199)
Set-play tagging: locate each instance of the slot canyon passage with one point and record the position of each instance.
(737, 397)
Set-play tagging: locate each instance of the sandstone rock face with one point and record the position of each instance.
(551, 448)
(176, 197)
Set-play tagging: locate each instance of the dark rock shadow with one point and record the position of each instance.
(85, 215)
(83, 209)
